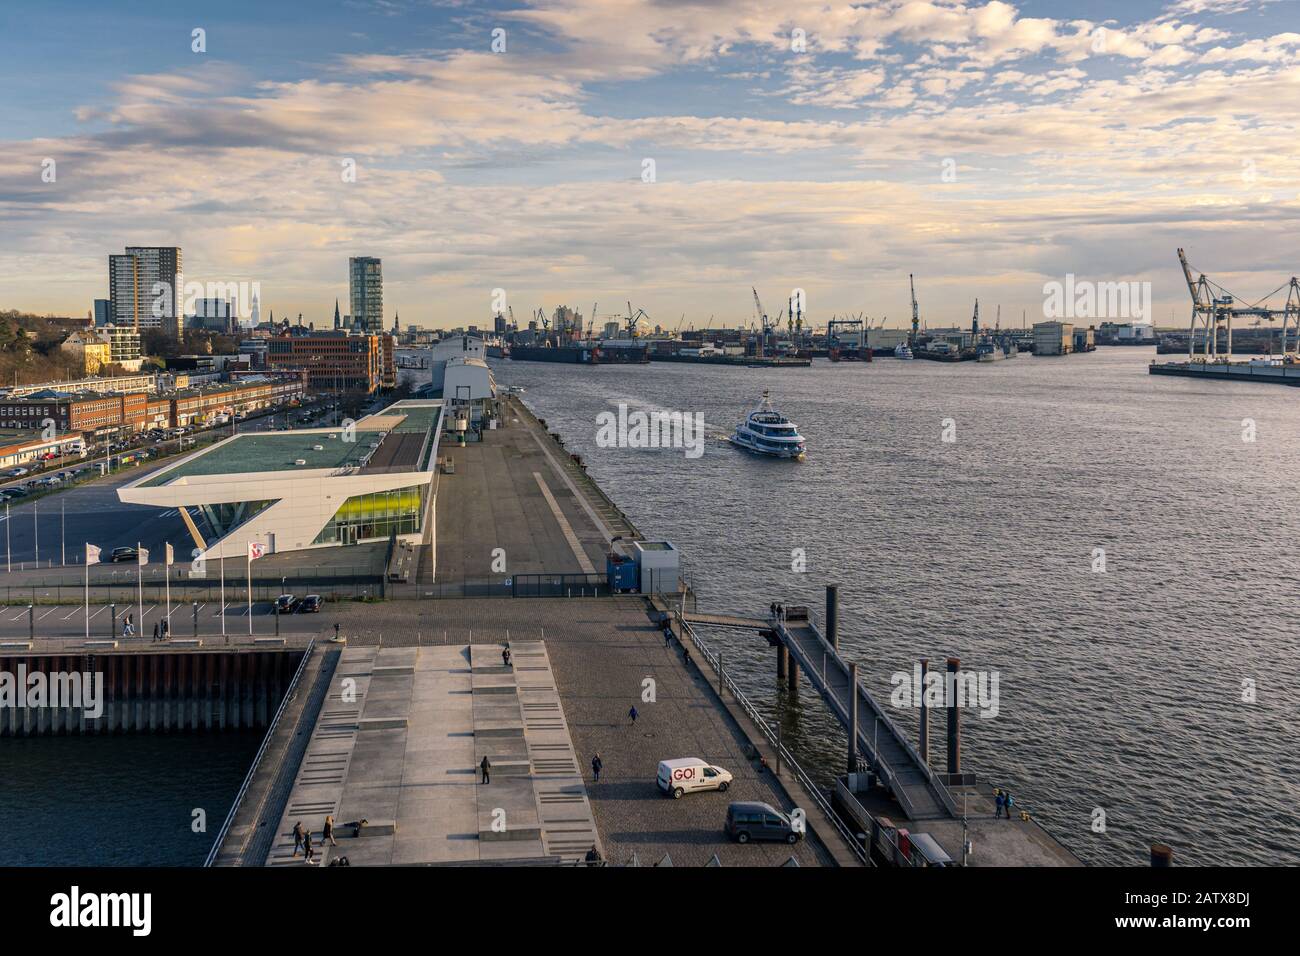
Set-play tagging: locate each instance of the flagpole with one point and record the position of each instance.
(223, 593)
(250, 589)
(87, 591)
(139, 578)
(167, 577)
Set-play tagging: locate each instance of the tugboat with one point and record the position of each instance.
(768, 432)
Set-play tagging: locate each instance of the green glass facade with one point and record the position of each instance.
(377, 515)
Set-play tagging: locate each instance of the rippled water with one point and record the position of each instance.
(1119, 690)
(117, 801)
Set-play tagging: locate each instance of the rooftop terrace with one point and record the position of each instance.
(272, 451)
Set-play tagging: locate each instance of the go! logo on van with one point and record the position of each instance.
(684, 773)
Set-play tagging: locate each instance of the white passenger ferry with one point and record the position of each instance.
(768, 432)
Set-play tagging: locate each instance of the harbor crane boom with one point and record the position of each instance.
(916, 315)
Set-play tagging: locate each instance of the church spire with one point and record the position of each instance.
(338, 323)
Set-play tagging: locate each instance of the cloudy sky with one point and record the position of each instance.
(834, 147)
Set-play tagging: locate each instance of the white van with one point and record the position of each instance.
(685, 774)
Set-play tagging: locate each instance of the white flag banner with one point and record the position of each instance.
(143, 556)
(171, 555)
(92, 554)
(255, 550)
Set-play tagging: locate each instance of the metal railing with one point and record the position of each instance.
(884, 772)
(785, 756)
(261, 752)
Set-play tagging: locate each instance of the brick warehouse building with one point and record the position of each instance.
(336, 361)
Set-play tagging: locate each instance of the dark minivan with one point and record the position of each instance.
(759, 821)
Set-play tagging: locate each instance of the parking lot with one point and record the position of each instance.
(50, 527)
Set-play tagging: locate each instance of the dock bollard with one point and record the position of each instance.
(954, 720)
(925, 715)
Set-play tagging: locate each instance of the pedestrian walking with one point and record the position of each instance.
(771, 610)
(1009, 803)
(668, 635)
(998, 802)
(166, 629)
(306, 848)
(505, 656)
(632, 713)
(297, 837)
(157, 632)
(485, 765)
(686, 656)
(596, 765)
(328, 832)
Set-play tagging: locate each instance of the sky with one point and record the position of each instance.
(670, 153)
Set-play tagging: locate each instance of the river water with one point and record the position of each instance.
(118, 801)
(1161, 690)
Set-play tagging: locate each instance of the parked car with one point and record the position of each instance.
(311, 604)
(285, 603)
(17, 472)
(760, 821)
(688, 774)
(124, 554)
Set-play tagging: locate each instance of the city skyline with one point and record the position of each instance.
(668, 155)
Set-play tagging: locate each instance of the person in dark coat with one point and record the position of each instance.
(505, 656)
(632, 713)
(307, 848)
(297, 837)
(157, 631)
(485, 765)
(596, 765)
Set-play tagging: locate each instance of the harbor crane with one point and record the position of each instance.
(765, 322)
(1214, 307)
(633, 318)
(916, 315)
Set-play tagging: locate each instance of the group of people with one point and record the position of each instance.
(161, 629)
(1004, 801)
(777, 611)
(302, 841)
(668, 641)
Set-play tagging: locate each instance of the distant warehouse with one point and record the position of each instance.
(1053, 338)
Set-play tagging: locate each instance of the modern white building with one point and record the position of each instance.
(312, 488)
(468, 380)
(453, 347)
